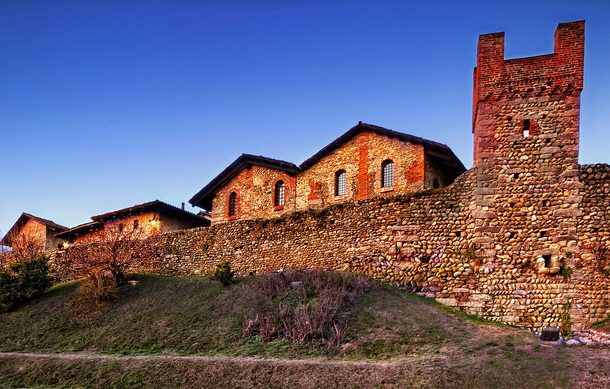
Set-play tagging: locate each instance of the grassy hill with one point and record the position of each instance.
(394, 339)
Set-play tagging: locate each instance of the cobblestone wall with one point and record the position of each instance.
(522, 238)
(425, 243)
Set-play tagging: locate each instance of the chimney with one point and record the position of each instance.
(182, 206)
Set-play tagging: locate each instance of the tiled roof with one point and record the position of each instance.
(155, 205)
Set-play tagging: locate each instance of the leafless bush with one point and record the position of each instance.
(105, 263)
(84, 306)
(23, 248)
(302, 306)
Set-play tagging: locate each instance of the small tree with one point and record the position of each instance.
(23, 247)
(104, 263)
(223, 273)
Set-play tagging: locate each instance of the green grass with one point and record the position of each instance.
(199, 316)
(426, 344)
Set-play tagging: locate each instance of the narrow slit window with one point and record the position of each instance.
(387, 173)
(232, 203)
(547, 261)
(279, 197)
(526, 128)
(340, 183)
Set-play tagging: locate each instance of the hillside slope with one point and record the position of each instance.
(392, 336)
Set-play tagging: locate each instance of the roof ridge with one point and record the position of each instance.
(362, 126)
(140, 206)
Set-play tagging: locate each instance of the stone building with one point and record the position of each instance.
(30, 227)
(523, 237)
(149, 219)
(251, 187)
(526, 131)
(365, 162)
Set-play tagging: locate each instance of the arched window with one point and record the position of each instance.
(436, 183)
(232, 204)
(278, 197)
(387, 173)
(340, 183)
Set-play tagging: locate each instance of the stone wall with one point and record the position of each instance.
(523, 237)
(425, 242)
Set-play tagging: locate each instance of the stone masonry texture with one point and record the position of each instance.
(523, 237)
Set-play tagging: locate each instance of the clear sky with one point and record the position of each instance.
(108, 103)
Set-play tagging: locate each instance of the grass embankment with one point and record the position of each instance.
(394, 339)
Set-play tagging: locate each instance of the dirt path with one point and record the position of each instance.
(69, 370)
(203, 358)
(587, 368)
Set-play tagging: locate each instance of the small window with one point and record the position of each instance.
(436, 183)
(340, 183)
(232, 203)
(547, 261)
(121, 227)
(278, 197)
(387, 173)
(136, 224)
(526, 128)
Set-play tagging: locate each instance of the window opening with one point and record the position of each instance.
(279, 199)
(340, 183)
(526, 128)
(232, 203)
(387, 173)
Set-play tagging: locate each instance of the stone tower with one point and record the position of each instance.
(526, 132)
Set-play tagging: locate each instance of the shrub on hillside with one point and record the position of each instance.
(105, 263)
(223, 273)
(302, 306)
(23, 281)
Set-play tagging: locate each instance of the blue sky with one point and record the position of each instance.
(106, 104)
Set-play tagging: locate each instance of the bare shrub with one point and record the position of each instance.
(105, 263)
(84, 305)
(23, 248)
(302, 306)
